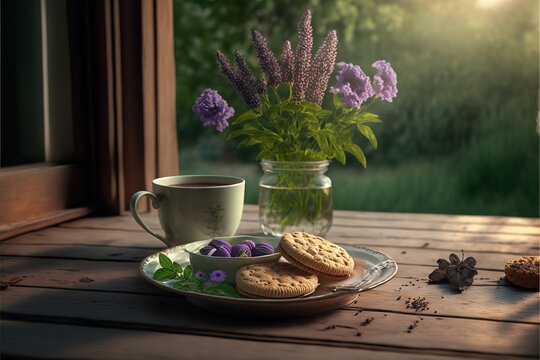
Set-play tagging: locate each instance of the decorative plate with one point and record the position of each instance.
(372, 268)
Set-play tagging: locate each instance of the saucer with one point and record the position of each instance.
(372, 268)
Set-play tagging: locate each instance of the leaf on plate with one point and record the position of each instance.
(188, 271)
(177, 268)
(165, 262)
(164, 274)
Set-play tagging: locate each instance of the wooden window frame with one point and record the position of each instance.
(124, 95)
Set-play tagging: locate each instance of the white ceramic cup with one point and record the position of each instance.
(194, 207)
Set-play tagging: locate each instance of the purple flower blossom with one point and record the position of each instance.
(200, 275)
(267, 60)
(286, 62)
(246, 75)
(385, 81)
(213, 110)
(218, 276)
(302, 57)
(354, 84)
(251, 99)
(321, 68)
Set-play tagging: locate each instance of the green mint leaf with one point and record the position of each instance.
(248, 115)
(337, 101)
(228, 289)
(181, 285)
(165, 262)
(324, 114)
(357, 152)
(195, 285)
(338, 152)
(164, 274)
(370, 118)
(368, 133)
(213, 291)
(188, 272)
(177, 268)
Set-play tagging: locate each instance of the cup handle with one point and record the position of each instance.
(133, 208)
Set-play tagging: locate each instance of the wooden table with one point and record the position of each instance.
(74, 291)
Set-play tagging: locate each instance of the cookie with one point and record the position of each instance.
(523, 271)
(277, 280)
(316, 255)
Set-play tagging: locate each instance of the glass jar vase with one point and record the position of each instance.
(295, 196)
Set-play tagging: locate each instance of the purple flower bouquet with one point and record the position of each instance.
(286, 121)
(284, 116)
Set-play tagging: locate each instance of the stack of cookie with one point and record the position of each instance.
(308, 258)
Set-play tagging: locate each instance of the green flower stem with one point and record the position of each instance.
(295, 196)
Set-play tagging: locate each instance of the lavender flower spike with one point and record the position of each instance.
(213, 110)
(385, 81)
(231, 73)
(302, 56)
(354, 84)
(246, 75)
(321, 68)
(267, 60)
(286, 62)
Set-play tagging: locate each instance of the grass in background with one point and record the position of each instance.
(459, 138)
(467, 184)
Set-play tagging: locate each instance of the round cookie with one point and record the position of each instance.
(316, 255)
(277, 280)
(523, 271)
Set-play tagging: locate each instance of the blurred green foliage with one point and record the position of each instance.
(468, 84)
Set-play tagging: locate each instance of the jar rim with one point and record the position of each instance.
(317, 166)
(305, 162)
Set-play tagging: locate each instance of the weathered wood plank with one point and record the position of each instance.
(417, 222)
(27, 339)
(52, 272)
(94, 236)
(481, 300)
(374, 229)
(82, 252)
(410, 282)
(418, 256)
(456, 223)
(338, 327)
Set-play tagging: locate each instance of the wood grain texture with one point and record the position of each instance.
(26, 339)
(83, 277)
(409, 282)
(93, 235)
(167, 156)
(148, 63)
(34, 192)
(424, 257)
(415, 227)
(48, 219)
(173, 314)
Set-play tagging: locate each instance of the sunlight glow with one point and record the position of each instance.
(488, 3)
